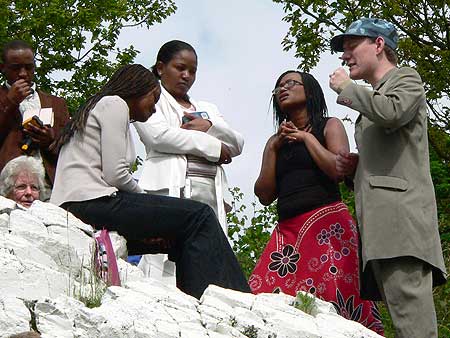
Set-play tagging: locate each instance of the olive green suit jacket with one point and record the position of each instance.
(394, 193)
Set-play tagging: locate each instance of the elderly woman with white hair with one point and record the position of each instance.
(22, 180)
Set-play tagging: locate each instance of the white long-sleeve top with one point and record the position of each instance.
(97, 162)
(167, 145)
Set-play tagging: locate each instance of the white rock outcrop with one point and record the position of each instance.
(45, 262)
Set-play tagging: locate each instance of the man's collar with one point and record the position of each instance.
(384, 78)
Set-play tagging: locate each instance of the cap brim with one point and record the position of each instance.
(337, 43)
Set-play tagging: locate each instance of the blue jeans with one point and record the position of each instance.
(199, 247)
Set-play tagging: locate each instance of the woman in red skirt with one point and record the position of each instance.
(314, 247)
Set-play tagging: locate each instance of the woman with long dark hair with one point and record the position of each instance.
(93, 181)
(314, 247)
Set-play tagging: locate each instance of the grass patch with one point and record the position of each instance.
(89, 288)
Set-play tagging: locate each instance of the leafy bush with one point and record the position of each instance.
(249, 241)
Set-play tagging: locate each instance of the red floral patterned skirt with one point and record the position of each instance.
(317, 252)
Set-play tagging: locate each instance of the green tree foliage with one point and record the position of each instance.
(440, 172)
(249, 240)
(77, 38)
(424, 38)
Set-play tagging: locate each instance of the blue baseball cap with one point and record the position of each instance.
(370, 27)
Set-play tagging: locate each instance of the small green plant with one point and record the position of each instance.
(90, 287)
(389, 331)
(305, 302)
(87, 287)
(250, 331)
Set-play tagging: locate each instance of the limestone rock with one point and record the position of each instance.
(6, 205)
(4, 222)
(119, 244)
(46, 260)
(51, 214)
(14, 315)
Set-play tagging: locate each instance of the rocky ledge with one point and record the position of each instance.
(46, 264)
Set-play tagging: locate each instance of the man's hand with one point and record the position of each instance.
(19, 91)
(225, 155)
(346, 163)
(196, 123)
(43, 136)
(339, 79)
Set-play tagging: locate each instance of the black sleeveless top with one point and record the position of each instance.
(301, 185)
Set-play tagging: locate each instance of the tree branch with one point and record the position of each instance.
(315, 17)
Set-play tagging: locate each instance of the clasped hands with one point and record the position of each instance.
(288, 132)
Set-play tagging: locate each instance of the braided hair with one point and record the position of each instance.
(316, 106)
(128, 82)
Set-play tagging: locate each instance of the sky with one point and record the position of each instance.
(240, 56)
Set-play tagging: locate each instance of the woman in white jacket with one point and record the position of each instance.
(186, 141)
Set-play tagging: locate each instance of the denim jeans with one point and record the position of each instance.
(200, 249)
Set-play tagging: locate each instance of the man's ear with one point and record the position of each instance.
(379, 41)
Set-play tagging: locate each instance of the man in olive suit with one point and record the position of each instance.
(395, 202)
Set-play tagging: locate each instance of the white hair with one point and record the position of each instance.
(15, 167)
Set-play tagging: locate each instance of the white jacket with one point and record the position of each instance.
(167, 144)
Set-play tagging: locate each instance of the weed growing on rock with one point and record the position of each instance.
(86, 286)
(305, 302)
(250, 331)
(90, 287)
